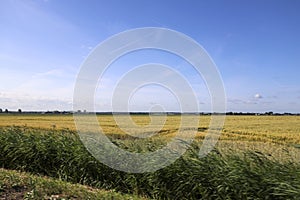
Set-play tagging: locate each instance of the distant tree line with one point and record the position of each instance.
(144, 113)
(266, 113)
(6, 111)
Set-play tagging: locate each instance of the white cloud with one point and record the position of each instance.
(14, 101)
(87, 47)
(52, 72)
(49, 90)
(258, 96)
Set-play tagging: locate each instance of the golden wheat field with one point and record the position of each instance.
(255, 152)
(279, 135)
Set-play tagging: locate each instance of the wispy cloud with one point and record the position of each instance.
(87, 47)
(53, 73)
(14, 101)
(52, 89)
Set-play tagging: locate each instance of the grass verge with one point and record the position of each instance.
(16, 185)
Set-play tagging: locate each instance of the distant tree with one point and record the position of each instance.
(6, 111)
(269, 113)
(19, 111)
(1, 110)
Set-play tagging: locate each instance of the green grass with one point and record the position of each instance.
(60, 154)
(19, 185)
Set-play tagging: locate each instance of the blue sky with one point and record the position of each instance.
(255, 45)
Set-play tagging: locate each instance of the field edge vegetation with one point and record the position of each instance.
(60, 154)
(16, 185)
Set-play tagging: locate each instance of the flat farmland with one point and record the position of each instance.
(277, 129)
(259, 154)
(276, 135)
